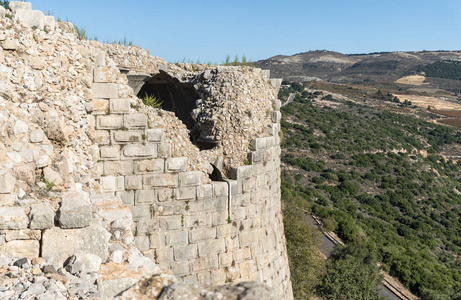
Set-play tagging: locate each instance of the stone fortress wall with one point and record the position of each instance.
(211, 215)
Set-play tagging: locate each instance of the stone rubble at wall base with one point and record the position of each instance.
(100, 193)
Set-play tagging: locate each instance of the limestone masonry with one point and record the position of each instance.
(103, 196)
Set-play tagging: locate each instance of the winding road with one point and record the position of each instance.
(326, 247)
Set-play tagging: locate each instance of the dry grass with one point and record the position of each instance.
(425, 101)
(412, 80)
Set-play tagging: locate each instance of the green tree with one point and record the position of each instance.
(351, 273)
(306, 263)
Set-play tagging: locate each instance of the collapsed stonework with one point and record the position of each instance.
(109, 191)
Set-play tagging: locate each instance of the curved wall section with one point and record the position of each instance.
(213, 233)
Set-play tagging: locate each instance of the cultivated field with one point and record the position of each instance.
(412, 80)
(425, 101)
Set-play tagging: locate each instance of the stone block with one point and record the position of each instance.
(249, 185)
(23, 234)
(30, 18)
(205, 263)
(140, 150)
(164, 195)
(52, 176)
(36, 136)
(241, 172)
(204, 278)
(235, 188)
(17, 5)
(198, 235)
(186, 193)
(155, 135)
(232, 243)
(220, 189)
(108, 289)
(127, 136)
(146, 197)
(7, 183)
(273, 129)
(142, 242)
(21, 248)
(160, 180)
(149, 166)
(176, 164)
(171, 223)
(105, 90)
(146, 227)
(75, 211)
(225, 230)
(192, 178)
(62, 243)
(225, 259)
(135, 120)
(124, 167)
(219, 277)
(120, 106)
(140, 213)
(211, 247)
(239, 213)
(13, 218)
(164, 150)
(258, 144)
(10, 44)
(127, 197)
(276, 116)
(109, 122)
(220, 218)
(205, 191)
(255, 157)
(50, 23)
(180, 267)
(198, 220)
(112, 183)
(133, 182)
(104, 75)
(185, 252)
(217, 204)
(100, 106)
(41, 216)
(176, 238)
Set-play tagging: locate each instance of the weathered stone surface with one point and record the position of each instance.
(110, 288)
(10, 44)
(52, 176)
(148, 288)
(7, 183)
(21, 248)
(17, 5)
(24, 234)
(62, 243)
(244, 290)
(36, 136)
(105, 90)
(41, 216)
(75, 211)
(176, 164)
(13, 218)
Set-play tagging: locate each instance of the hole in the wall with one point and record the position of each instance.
(216, 175)
(180, 98)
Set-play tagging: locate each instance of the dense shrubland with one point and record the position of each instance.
(364, 173)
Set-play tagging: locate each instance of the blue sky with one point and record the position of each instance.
(209, 30)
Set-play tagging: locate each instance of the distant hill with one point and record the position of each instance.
(383, 67)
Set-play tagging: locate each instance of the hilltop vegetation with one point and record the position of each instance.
(365, 172)
(443, 69)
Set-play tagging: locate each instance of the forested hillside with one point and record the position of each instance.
(376, 179)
